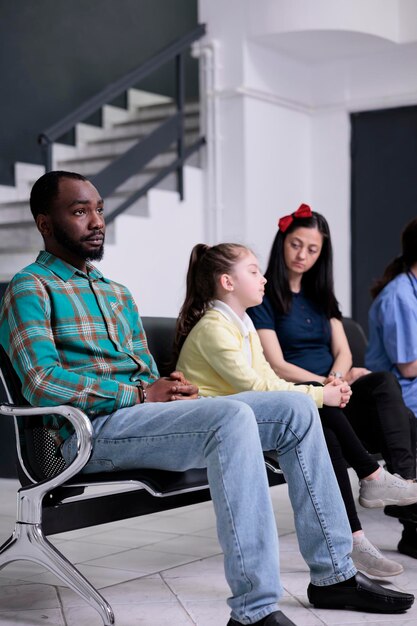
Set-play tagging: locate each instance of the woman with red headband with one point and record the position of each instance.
(300, 328)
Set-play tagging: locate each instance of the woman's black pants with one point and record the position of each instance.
(345, 448)
(383, 422)
(378, 422)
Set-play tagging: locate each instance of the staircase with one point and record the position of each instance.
(95, 147)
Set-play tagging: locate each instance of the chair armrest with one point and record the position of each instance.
(31, 495)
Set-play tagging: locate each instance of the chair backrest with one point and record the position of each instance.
(160, 333)
(10, 381)
(357, 341)
(36, 450)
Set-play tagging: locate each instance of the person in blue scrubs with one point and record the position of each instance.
(393, 319)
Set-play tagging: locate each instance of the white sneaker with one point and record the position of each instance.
(387, 489)
(369, 559)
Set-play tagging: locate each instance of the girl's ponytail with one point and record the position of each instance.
(205, 266)
(196, 300)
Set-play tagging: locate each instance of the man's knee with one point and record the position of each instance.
(234, 415)
(302, 404)
(297, 410)
(309, 413)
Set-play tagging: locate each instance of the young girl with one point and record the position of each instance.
(300, 328)
(220, 352)
(222, 355)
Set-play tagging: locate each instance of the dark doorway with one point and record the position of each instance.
(384, 194)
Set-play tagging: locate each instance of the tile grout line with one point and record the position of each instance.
(177, 597)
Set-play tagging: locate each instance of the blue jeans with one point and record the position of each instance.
(227, 435)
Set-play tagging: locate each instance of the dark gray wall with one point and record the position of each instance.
(54, 54)
(384, 195)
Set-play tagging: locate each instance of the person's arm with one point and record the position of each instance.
(33, 353)
(398, 318)
(342, 356)
(334, 393)
(172, 387)
(408, 370)
(220, 346)
(28, 338)
(263, 318)
(282, 368)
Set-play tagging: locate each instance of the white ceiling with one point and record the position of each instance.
(316, 47)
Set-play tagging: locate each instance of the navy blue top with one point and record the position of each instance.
(304, 333)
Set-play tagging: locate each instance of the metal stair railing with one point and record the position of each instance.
(138, 156)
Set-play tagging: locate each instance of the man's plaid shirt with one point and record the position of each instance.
(74, 338)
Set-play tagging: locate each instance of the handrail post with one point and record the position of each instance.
(173, 51)
(46, 147)
(119, 86)
(179, 98)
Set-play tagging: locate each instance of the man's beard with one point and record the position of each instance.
(77, 247)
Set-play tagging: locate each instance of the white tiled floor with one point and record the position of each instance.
(166, 570)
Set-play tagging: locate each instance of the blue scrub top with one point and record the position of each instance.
(393, 332)
(304, 333)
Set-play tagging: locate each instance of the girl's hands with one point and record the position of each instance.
(337, 393)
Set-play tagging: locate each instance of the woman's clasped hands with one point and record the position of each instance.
(337, 392)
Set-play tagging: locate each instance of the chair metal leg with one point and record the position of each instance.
(28, 543)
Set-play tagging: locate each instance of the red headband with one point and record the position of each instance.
(302, 211)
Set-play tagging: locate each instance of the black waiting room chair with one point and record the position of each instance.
(56, 498)
(357, 340)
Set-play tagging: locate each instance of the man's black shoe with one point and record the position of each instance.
(361, 593)
(277, 618)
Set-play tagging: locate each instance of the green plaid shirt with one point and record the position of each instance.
(74, 338)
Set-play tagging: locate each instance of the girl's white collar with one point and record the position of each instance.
(245, 325)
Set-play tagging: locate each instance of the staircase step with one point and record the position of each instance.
(160, 111)
(9, 210)
(146, 126)
(90, 165)
(20, 239)
(95, 148)
(23, 236)
(139, 98)
(17, 214)
(191, 135)
(109, 148)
